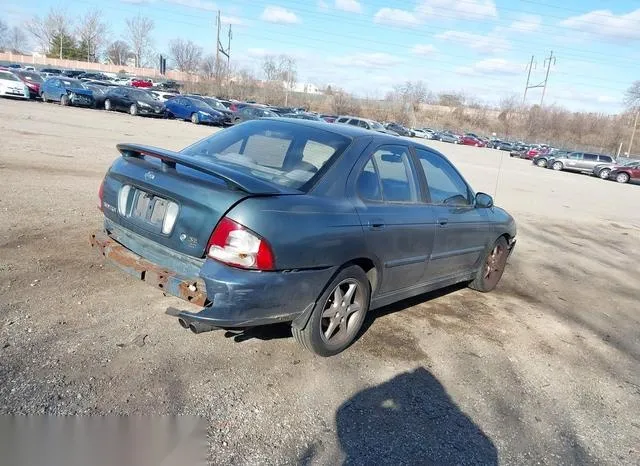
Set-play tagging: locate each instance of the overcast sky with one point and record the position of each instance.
(481, 47)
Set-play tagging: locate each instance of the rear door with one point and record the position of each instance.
(398, 226)
(588, 162)
(462, 231)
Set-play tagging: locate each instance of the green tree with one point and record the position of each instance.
(63, 45)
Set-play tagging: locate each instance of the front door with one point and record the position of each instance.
(573, 161)
(462, 231)
(398, 226)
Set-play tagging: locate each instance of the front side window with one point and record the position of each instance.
(590, 157)
(279, 152)
(446, 186)
(354, 122)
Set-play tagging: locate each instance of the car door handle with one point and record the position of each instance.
(442, 221)
(376, 224)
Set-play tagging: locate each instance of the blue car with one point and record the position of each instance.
(282, 220)
(196, 110)
(67, 91)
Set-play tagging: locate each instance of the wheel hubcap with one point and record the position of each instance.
(341, 312)
(494, 262)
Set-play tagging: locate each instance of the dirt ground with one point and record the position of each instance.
(545, 370)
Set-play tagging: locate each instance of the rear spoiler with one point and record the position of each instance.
(234, 179)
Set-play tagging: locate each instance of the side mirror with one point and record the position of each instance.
(484, 201)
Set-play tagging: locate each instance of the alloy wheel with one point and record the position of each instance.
(622, 178)
(541, 163)
(342, 312)
(494, 263)
(604, 174)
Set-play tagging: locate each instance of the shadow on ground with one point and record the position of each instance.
(408, 420)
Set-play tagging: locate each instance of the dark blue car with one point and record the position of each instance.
(282, 220)
(67, 91)
(196, 110)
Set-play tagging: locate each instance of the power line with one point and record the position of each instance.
(517, 14)
(279, 38)
(415, 33)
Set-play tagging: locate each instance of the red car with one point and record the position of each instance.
(137, 82)
(32, 80)
(472, 141)
(625, 173)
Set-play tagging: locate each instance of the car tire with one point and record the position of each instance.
(64, 100)
(493, 264)
(334, 324)
(542, 163)
(168, 115)
(107, 105)
(557, 166)
(133, 110)
(604, 173)
(194, 119)
(622, 177)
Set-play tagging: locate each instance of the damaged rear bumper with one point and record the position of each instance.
(230, 297)
(170, 282)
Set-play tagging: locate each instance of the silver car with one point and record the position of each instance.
(578, 161)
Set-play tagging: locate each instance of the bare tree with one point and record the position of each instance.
(118, 52)
(270, 68)
(208, 66)
(17, 40)
(185, 54)
(4, 31)
(92, 31)
(56, 25)
(508, 110)
(138, 33)
(632, 96)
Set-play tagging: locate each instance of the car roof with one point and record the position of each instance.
(347, 130)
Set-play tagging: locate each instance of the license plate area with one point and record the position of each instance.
(149, 210)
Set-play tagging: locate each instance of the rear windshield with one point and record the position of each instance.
(8, 76)
(287, 154)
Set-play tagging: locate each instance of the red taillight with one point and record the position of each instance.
(233, 244)
(100, 195)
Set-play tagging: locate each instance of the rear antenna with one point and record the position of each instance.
(495, 191)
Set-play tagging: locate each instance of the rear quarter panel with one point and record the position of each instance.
(304, 231)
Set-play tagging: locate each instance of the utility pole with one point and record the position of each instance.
(633, 133)
(526, 87)
(543, 84)
(229, 50)
(546, 78)
(218, 39)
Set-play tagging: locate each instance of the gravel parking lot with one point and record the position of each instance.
(545, 370)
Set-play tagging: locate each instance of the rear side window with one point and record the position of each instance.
(605, 158)
(282, 153)
(369, 183)
(396, 175)
(446, 186)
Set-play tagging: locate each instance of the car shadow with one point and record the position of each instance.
(410, 419)
(283, 330)
(406, 304)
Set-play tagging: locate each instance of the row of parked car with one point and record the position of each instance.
(603, 166)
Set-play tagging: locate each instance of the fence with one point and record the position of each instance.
(41, 60)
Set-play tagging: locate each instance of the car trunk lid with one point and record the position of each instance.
(175, 199)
